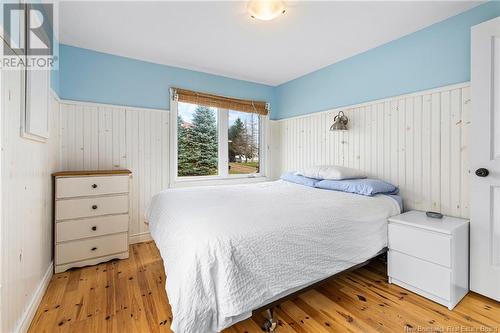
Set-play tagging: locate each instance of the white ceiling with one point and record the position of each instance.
(220, 37)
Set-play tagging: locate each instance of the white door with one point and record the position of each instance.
(485, 160)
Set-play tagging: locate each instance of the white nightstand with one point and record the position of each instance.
(430, 256)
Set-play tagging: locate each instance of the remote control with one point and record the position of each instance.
(434, 215)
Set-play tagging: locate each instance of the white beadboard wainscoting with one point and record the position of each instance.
(95, 136)
(26, 232)
(417, 141)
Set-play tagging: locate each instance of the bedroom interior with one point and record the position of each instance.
(250, 166)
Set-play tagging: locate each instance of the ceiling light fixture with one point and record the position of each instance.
(266, 10)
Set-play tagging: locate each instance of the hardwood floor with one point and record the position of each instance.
(129, 296)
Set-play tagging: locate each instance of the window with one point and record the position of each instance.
(197, 140)
(214, 142)
(243, 143)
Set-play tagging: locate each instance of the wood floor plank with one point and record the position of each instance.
(302, 319)
(318, 316)
(129, 296)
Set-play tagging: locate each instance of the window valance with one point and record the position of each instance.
(236, 104)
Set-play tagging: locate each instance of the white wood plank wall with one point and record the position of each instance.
(26, 214)
(417, 141)
(95, 136)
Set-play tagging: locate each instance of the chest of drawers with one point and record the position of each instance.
(91, 213)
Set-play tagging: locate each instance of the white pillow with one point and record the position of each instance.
(332, 172)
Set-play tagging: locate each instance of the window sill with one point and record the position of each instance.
(218, 181)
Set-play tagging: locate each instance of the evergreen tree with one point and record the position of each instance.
(237, 137)
(185, 150)
(197, 147)
(181, 147)
(204, 138)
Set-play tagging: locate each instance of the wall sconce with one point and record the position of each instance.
(339, 122)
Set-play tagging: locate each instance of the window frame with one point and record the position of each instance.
(223, 176)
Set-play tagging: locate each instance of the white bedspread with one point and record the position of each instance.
(228, 250)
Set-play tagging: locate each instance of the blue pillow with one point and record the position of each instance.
(366, 186)
(293, 178)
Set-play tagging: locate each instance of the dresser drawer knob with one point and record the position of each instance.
(94, 228)
(94, 206)
(93, 249)
(94, 185)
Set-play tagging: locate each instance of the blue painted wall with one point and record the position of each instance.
(86, 75)
(436, 56)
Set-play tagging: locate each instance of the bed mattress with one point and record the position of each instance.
(228, 250)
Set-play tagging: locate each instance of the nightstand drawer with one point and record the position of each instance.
(91, 227)
(88, 186)
(421, 274)
(88, 207)
(91, 248)
(423, 244)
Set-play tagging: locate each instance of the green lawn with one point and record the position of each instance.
(243, 168)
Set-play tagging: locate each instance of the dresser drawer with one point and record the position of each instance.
(421, 274)
(87, 186)
(420, 243)
(91, 227)
(91, 248)
(88, 207)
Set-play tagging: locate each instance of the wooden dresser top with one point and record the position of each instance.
(91, 173)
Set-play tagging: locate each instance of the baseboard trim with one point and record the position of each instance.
(29, 313)
(140, 238)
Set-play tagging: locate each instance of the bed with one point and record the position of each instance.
(229, 250)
